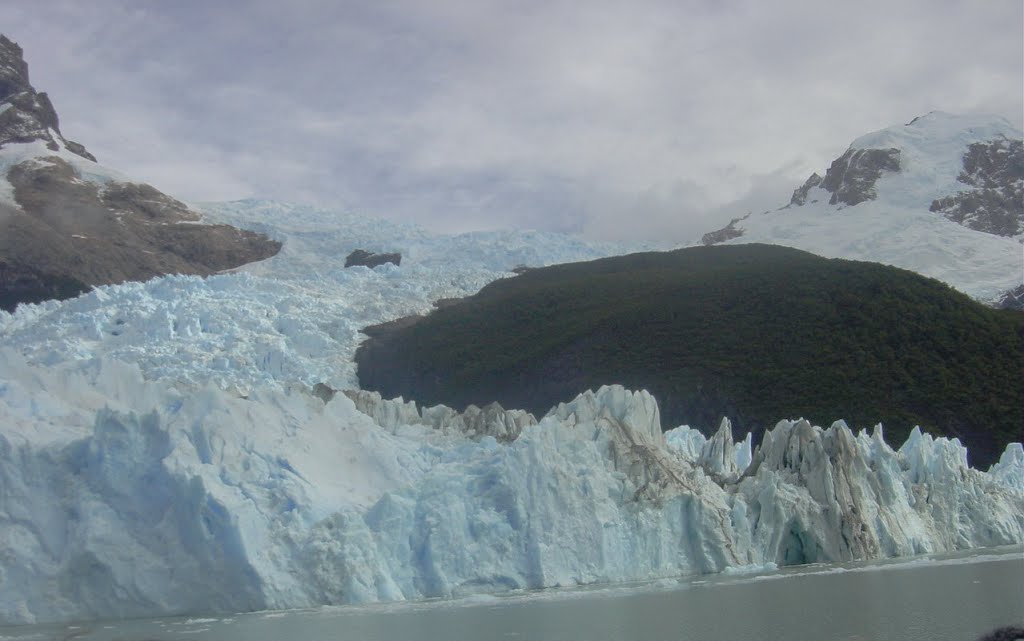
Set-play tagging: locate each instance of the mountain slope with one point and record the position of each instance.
(67, 223)
(752, 332)
(942, 195)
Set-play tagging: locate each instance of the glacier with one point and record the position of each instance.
(192, 445)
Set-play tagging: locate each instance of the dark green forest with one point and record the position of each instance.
(757, 333)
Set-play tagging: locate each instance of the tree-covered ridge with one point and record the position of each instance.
(754, 332)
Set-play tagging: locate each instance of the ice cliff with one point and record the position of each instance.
(120, 497)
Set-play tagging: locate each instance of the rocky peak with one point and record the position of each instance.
(851, 178)
(13, 69)
(361, 257)
(993, 197)
(800, 193)
(27, 115)
(724, 234)
(67, 224)
(1012, 299)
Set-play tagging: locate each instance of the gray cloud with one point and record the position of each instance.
(619, 120)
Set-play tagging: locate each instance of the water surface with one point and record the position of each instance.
(936, 598)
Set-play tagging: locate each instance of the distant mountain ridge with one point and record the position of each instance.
(942, 195)
(68, 223)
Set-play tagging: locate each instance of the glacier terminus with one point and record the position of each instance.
(190, 445)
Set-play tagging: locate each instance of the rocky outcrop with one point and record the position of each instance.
(21, 284)
(800, 193)
(851, 178)
(99, 235)
(994, 200)
(25, 114)
(371, 259)
(1012, 299)
(725, 233)
(73, 224)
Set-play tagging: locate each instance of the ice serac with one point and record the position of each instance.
(861, 499)
(1010, 468)
(474, 422)
(587, 495)
(711, 454)
(842, 509)
(959, 499)
(719, 455)
(592, 494)
(942, 195)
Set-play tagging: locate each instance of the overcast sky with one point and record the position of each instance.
(620, 120)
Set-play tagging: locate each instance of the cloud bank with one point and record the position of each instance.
(642, 120)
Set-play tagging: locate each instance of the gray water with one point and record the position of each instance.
(937, 598)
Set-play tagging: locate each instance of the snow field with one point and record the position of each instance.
(897, 228)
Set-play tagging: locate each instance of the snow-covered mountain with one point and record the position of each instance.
(196, 445)
(942, 195)
(67, 222)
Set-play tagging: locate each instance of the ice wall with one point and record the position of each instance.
(120, 497)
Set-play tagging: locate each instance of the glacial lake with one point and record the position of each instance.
(935, 598)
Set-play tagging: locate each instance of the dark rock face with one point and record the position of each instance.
(1012, 633)
(994, 203)
(1012, 299)
(800, 193)
(725, 233)
(67, 226)
(21, 284)
(851, 178)
(31, 115)
(370, 259)
(67, 233)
